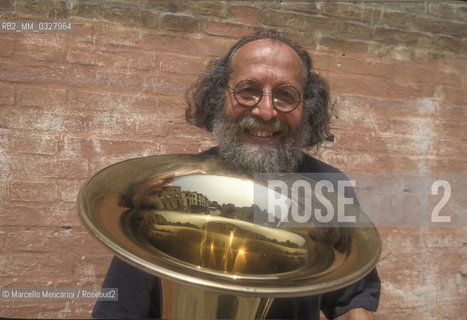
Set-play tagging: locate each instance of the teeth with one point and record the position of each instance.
(261, 133)
(263, 129)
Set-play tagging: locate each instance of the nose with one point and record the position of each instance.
(265, 108)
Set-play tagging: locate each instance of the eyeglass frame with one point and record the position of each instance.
(260, 85)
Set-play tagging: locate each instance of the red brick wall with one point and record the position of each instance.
(73, 103)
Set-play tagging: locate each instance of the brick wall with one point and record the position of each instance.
(73, 103)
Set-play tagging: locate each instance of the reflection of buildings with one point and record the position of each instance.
(195, 202)
(173, 198)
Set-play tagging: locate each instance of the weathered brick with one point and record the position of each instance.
(361, 142)
(108, 125)
(367, 162)
(124, 149)
(113, 36)
(69, 169)
(4, 168)
(93, 58)
(63, 214)
(227, 29)
(53, 309)
(69, 190)
(446, 10)
(344, 45)
(166, 84)
(83, 33)
(33, 96)
(136, 60)
(411, 7)
(311, 23)
(397, 37)
(78, 148)
(369, 87)
(451, 44)
(109, 102)
(245, 14)
(344, 10)
(301, 6)
(305, 38)
(3, 197)
(177, 22)
(78, 75)
(451, 95)
(446, 238)
(398, 53)
(284, 19)
(7, 5)
(45, 75)
(127, 16)
(122, 81)
(206, 8)
(49, 240)
(33, 191)
(152, 127)
(32, 119)
(46, 47)
(27, 143)
(134, 3)
(7, 94)
(180, 64)
(409, 72)
(27, 264)
(8, 46)
(355, 31)
(149, 19)
(163, 6)
(184, 44)
(41, 169)
(402, 20)
(461, 12)
(441, 26)
(42, 8)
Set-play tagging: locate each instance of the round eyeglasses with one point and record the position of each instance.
(248, 93)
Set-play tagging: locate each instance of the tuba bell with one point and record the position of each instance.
(206, 231)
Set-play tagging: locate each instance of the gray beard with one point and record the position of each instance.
(283, 157)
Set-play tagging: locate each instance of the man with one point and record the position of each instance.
(264, 104)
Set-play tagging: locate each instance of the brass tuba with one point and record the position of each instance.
(205, 230)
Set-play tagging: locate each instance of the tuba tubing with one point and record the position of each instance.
(188, 302)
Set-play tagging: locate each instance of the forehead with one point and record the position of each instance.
(270, 59)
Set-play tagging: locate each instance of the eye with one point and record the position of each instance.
(248, 92)
(286, 96)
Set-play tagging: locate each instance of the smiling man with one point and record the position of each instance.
(264, 105)
(261, 127)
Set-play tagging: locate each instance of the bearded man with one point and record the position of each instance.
(264, 105)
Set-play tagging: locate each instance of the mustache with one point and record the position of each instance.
(253, 122)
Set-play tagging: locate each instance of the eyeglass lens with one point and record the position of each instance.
(249, 93)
